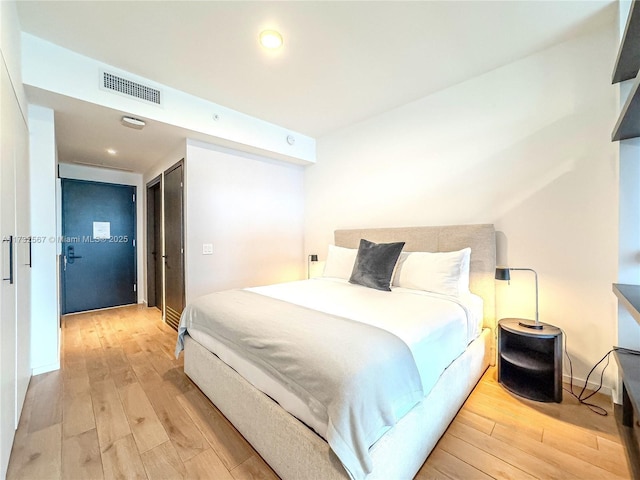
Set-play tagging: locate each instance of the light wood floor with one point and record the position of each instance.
(121, 407)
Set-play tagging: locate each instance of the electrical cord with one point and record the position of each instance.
(581, 396)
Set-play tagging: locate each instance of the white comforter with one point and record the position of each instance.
(435, 328)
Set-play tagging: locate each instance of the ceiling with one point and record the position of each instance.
(341, 62)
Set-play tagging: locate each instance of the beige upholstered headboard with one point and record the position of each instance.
(480, 238)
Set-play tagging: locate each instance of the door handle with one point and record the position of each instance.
(10, 240)
(71, 256)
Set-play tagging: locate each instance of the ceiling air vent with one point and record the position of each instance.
(129, 88)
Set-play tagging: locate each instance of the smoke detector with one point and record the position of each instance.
(133, 123)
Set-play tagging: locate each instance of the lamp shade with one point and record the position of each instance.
(502, 273)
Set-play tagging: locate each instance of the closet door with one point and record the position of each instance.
(23, 265)
(10, 119)
(174, 243)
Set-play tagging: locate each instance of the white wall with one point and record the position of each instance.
(629, 240)
(526, 147)
(45, 312)
(11, 49)
(95, 174)
(173, 157)
(251, 209)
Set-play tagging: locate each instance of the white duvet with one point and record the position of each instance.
(436, 328)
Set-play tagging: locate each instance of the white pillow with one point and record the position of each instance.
(446, 273)
(463, 286)
(339, 263)
(396, 273)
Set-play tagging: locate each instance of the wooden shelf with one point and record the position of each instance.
(629, 370)
(526, 386)
(628, 61)
(629, 297)
(629, 363)
(627, 65)
(530, 360)
(628, 124)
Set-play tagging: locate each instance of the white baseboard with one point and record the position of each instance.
(578, 383)
(45, 369)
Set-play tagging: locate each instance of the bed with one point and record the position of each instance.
(297, 450)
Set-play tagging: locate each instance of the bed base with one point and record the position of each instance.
(295, 452)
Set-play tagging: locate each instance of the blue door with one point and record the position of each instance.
(98, 245)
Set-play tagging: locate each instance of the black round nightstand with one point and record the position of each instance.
(530, 360)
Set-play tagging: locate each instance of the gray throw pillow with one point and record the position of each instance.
(374, 264)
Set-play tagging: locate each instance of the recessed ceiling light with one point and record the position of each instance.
(270, 39)
(111, 151)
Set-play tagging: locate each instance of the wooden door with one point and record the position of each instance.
(154, 244)
(174, 243)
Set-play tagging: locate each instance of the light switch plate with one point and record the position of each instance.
(207, 249)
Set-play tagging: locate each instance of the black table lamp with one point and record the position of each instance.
(502, 273)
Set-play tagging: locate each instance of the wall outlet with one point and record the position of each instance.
(207, 249)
